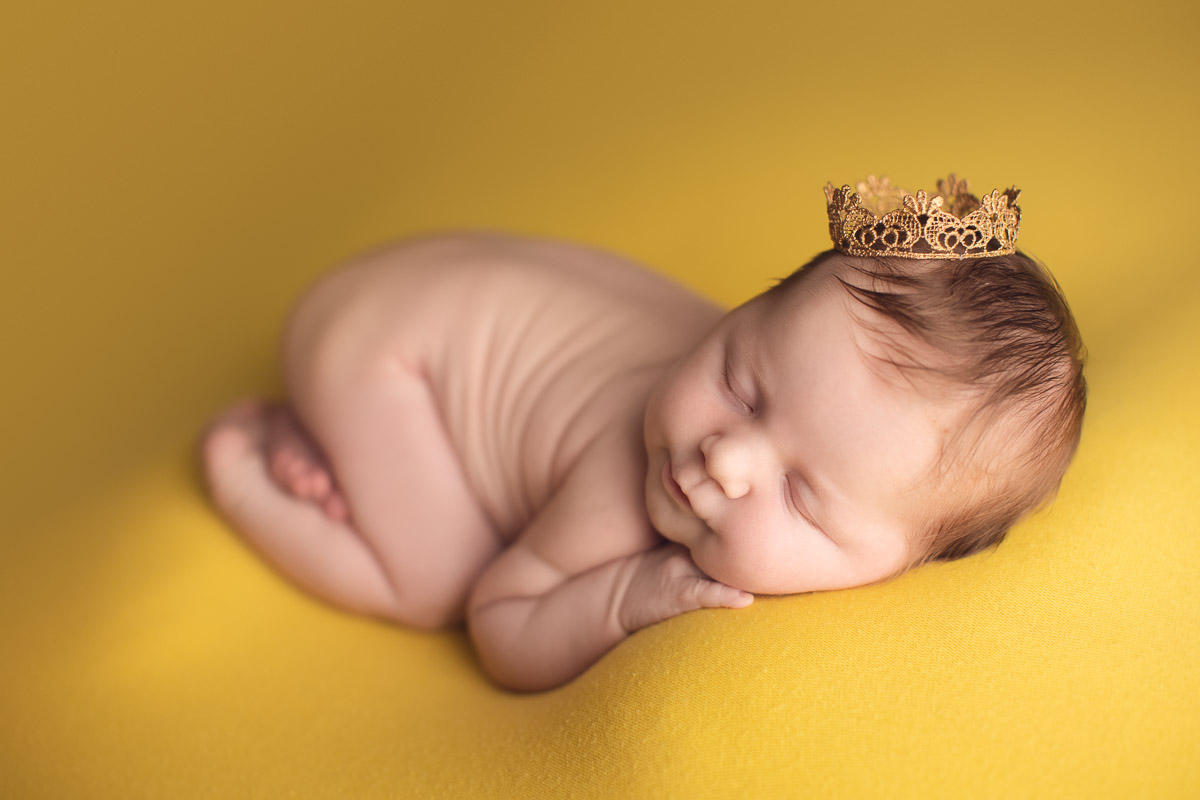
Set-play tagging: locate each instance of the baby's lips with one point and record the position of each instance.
(673, 486)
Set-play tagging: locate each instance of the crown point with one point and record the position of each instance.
(884, 220)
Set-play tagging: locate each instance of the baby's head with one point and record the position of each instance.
(866, 415)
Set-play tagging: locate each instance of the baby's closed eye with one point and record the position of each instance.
(737, 396)
(791, 491)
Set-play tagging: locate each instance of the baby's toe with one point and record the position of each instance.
(334, 506)
(316, 482)
(306, 480)
(295, 472)
(282, 466)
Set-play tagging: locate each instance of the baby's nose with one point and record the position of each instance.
(727, 464)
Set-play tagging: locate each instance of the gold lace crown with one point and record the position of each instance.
(884, 220)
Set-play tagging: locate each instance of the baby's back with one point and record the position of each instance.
(531, 348)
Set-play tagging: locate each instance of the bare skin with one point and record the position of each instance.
(296, 463)
(477, 401)
(542, 439)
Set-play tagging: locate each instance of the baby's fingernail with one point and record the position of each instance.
(744, 599)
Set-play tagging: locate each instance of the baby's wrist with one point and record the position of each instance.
(622, 592)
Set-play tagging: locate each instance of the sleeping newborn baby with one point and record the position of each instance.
(562, 448)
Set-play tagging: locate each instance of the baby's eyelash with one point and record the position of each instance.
(790, 495)
(791, 500)
(733, 392)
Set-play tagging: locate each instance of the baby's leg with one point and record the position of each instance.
(410, 511)
(321, 554)
(377, 423)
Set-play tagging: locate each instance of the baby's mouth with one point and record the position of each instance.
(673, 487)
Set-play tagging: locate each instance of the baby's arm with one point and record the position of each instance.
(584, 575)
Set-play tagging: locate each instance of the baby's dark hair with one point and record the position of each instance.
(999, 336)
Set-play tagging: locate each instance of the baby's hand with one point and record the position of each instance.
(666, 583)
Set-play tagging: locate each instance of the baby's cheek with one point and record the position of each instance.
(724, 564)
(766, 566)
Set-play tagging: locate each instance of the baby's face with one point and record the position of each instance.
(779, 457)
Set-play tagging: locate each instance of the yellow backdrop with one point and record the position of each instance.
(173, 174)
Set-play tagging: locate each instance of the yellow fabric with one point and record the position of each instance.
(171, 176)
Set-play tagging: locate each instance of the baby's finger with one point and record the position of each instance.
(710, 594)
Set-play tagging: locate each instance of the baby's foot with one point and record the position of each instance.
(231, 444)
(296, 464)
